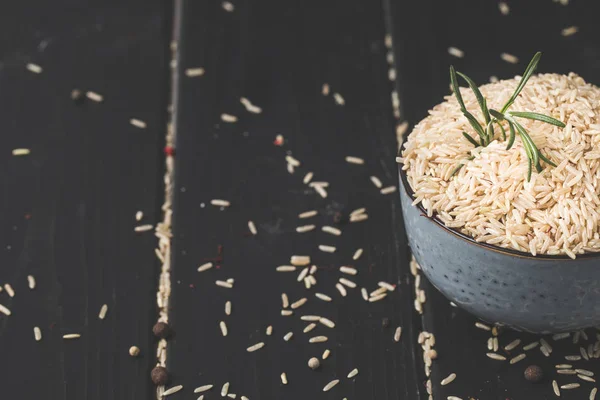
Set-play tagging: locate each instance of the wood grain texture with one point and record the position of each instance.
(422, 32)
(68, 208)
(278, 55)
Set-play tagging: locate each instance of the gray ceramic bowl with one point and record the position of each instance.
(541, 294)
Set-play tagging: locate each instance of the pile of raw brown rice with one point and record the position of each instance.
(557, 212)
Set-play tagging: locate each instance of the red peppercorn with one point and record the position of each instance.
(159, 375)
(170, 150)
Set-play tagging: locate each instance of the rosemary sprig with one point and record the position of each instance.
(486, 132)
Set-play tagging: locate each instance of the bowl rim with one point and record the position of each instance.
(469, 239)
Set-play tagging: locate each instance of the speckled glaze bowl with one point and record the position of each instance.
(541, 294)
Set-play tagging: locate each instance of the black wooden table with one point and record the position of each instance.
(69, 206)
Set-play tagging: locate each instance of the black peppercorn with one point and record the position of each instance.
(533, 373)
(77, 96)
(159, 375)
(385, 322)
(161, 330)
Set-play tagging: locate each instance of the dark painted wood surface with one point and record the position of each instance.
(278, 55)
(422, 32)
(68, 209)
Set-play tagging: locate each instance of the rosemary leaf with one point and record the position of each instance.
(511, 139)
(538, 117)
(528, 169)
(546, 160)
(501, 128)
(480, 99)
(456, 89)
(475, 124)
(497, 114)
(526, 75)
(490, 131)
(470, 139)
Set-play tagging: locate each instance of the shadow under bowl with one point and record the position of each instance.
(538, 294)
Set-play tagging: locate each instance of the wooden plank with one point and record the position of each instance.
(422, 33)
(279, 55)
(68, 208)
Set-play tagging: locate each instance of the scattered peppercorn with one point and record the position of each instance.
(169, 150)
(533, 373)
(134, 351)
(161, 330)
(385, 322)
(314, 363)
(159, 375)
(77, 96)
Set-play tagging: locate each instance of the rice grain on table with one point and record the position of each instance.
(341, 289)
(518, 358)
(323, 297)
(571, 30)
(312, 318)
(220, 203)
(325, 89)
(225, 389)
(288, 336)
(138, 123)
(348, 270)
(364, 294)
(357, 254)
(223, 327)
(377, 298)
(299, 303)
(331, 230)
(560, 336)
(203, 388)
(228, 6)
(285, 268)
(397, 334)
(353, 373)
(172, 390)
(302, 274)
(387, 286)
(285, 300)
(495, 356)
(300, 261)
(37, 333)
(317, 339)
(593, 393)
(284, 379)
(252, 227)
(31, 282)
(376, 182)
(224, 284)
(9, 290)
(228, 118)
(322, 192)
(449, 379)
(504, 8)
(339, 99)
(255, 347)
(531, 345)
(72, 336)
(326, 354)
(4, 310)
(327, 322)
(512, 345)
(305, 228)
(308, 214)
(355, 160)
(555, 388)
(21, 152)
(205, 267)
(143, 228)
(509, 58)
(307, 178)
(103, 311)
(98, 98)
(586, 378)
(388, 190)
(456, 52)
(327, 249)
(330, 385)
(309, 327)
(251, 108)
(194, 72)
(570, 386)
(228, 308)
(359, 217)
(36, 69)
